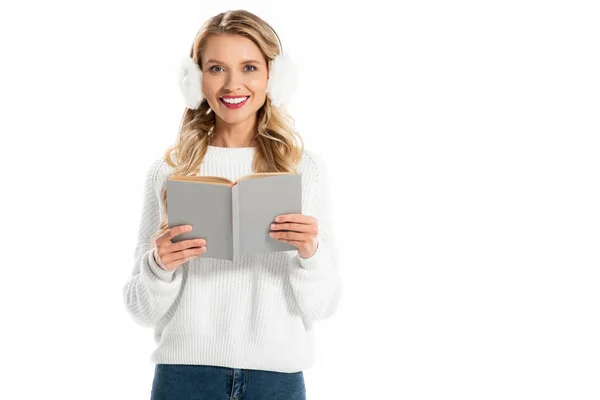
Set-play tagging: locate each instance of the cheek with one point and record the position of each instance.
(258, 85)
(210, 89)
(208, 86)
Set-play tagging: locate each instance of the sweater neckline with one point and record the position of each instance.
(230, 154)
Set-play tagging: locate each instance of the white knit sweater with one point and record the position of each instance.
(256, 313)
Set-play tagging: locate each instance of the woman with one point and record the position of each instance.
(232, 330)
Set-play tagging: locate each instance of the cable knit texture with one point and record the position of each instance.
(256, 313)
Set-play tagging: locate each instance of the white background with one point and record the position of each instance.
(462, 143)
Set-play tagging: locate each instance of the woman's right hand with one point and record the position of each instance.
(172, 255)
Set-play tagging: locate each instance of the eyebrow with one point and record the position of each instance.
(212, 60)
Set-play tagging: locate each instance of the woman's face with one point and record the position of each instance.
(233, 67)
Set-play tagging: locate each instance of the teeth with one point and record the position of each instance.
(234, 101)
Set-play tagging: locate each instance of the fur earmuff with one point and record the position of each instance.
(190, 83)
(283, 80)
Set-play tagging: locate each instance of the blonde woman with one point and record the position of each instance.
(244, 329)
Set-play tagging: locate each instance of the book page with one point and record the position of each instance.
(219, 180)
(256, 175)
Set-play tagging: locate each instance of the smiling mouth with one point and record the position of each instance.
(234, 102)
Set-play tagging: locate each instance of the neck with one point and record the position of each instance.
(241, 134)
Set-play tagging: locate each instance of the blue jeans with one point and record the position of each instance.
(206, 382)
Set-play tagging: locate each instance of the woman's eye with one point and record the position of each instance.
(247, 70)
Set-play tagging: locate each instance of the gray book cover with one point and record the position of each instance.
(235, 219)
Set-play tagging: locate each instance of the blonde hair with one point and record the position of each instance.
(277, 149)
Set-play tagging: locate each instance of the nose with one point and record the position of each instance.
(233, 81)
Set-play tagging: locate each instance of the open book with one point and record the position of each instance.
(234, 217)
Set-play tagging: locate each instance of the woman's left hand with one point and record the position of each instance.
(302, 232)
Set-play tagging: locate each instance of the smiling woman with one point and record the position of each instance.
(241, 328)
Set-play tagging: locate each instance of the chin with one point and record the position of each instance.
(234, 119)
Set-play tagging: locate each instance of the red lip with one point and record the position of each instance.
(233, 106)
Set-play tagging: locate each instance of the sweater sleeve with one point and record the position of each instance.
(315, 280)
(151, 290)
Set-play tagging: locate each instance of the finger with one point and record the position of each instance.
(180, 255)
(164, 250)
(176, 230)
(170, 233)
(290, 235)
(188, 252)
(174, 264)
(297, 218)
(186, 244)
(287, 226)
